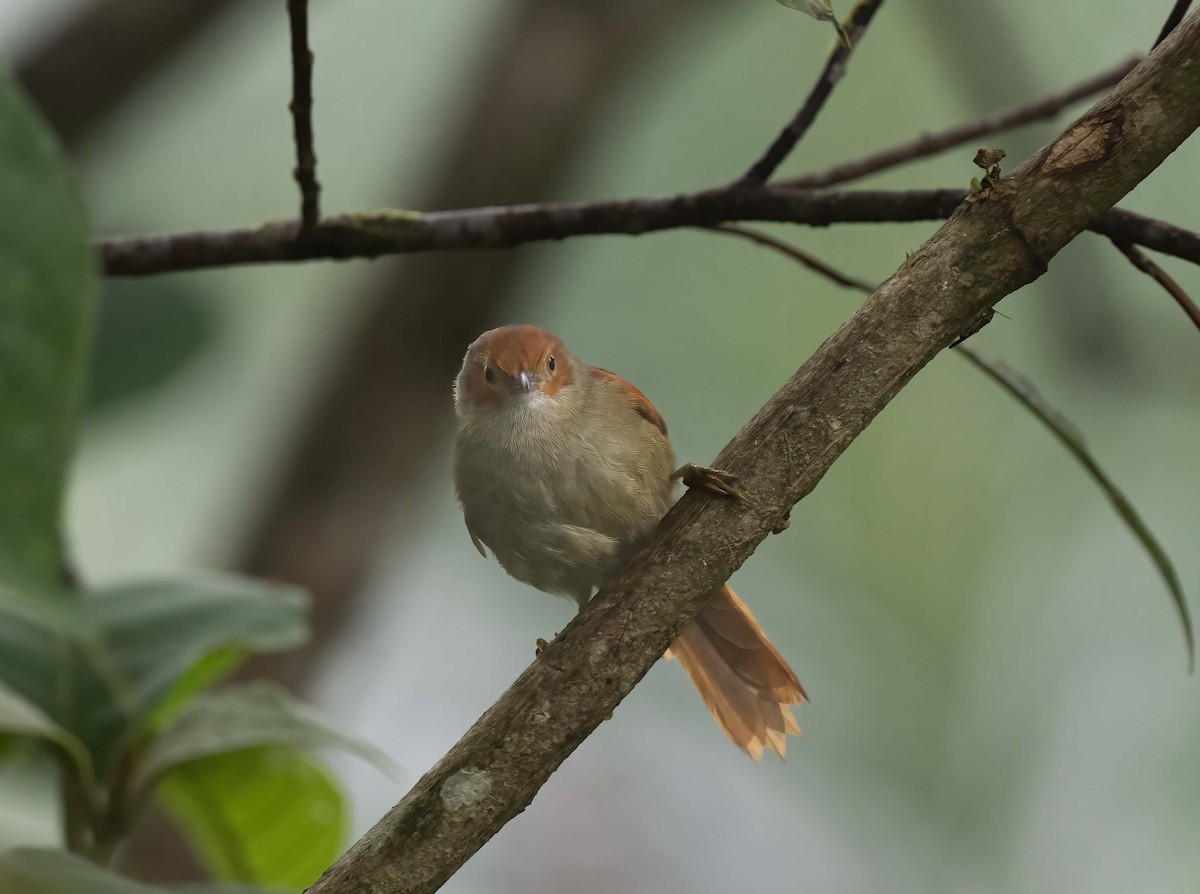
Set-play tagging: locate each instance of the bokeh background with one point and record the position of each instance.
(1000, 693)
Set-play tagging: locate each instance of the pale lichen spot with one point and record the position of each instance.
(463, 790)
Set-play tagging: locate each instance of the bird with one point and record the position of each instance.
(562, 470)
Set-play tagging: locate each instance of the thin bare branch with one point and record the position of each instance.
(1178, 11)
(301, 109)
(995, 244)
(372, 234)
(1022, 390)
(1164, 279)
(932, 143)
(1149, 232)
(814, 264)
(760, 172)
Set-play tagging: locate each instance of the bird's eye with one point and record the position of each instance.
(550, 363)
(488, 374)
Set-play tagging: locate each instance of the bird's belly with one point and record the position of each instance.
(561, 526)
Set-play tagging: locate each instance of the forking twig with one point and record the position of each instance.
(1164, 279)
(760, 172)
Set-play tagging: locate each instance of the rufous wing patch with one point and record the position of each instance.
(640, 403)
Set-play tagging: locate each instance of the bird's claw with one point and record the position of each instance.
(715, 481)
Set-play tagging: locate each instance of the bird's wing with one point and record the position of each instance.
(638, 401)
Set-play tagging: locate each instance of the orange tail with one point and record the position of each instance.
(745, 683)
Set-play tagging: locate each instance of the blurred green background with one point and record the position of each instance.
(1000, 696)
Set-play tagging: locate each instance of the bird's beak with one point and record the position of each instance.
(526, 381)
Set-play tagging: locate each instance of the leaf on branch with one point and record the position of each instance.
(1022, 389)
(249, 716)
(264, 816)
(47, 287)
(822, 11)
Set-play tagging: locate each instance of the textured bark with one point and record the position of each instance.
(992, 245)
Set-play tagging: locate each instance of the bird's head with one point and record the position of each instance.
(513, 364)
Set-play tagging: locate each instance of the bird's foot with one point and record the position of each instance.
(715, 481)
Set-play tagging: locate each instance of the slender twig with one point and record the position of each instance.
(1178, 11)
(1164, 279)
(932, 143)
(372, 234)
(761, 171)
(301, 109)
(1024, 393)
(814, 264)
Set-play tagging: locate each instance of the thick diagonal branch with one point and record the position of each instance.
(992, 245)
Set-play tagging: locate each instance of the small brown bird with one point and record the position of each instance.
(563, 469)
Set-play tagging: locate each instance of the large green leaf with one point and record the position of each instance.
(47, 286)
(36, 871)
(102, 668)
(148, 331)
(250, 716)
(265, 816)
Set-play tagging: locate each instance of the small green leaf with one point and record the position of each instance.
(47, 288)
(249, 716)
(1022, 389)
(264, 816)
(35, 871)
(202, 675)
(20, 717)
(821, 10)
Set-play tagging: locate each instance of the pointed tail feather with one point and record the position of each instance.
(744, 682)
